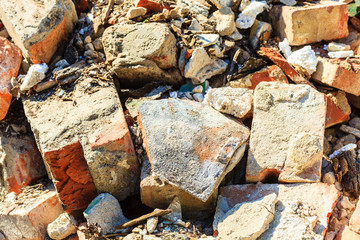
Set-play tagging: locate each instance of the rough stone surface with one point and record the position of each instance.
(337, 73)
(62, 227)
(347, 234)
(304, 57)
(354, 223)
(338, 109)
(303, 208)
(20, 162)
(260, 31)
(225, 21)
(10, 61)
(105, 210)
(297, 23)
(142, 52)
(37, 27)
(136, 12)
(201, 67)
(267, 74)
(287, 133)
(234, 101)
(29, 220)
(200, 141)
(85, 143)
(234, 224)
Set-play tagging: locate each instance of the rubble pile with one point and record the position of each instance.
(179, 119)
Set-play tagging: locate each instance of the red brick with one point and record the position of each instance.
(354, 223)
(81, 5)
(23, 163)
(71, 176)
(339, 73)
(279, 60)
(29, 220)
(338, 109)
(306, 24)
(10, 61)
(268, 74)
(152, 6)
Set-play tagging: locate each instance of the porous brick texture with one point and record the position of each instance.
(324, 20)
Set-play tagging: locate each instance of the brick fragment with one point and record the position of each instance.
(22, 163)
(279, 60)
(305, 24)
(71, 176)
(340, 74)
(354, 224)
(267, 74)
(338, 109)
(10, 61)
(38, 37)
(29, 220)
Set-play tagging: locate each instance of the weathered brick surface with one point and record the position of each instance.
(21, 162)
(289, 222)
(338, 109)
(200, 141)
(29, 220)
(95, 129)
(325, 20)
(71, 176)
(354, 223)
(287, 133)
(38, 36)
(339, 73)
(267, 74)
(10, 61)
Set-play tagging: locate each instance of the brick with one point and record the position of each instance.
(280, 61)
(22, 163)
(305, 24)
(10, 61)
(152, 6)
(338, 109)
(71, 176)
(354, 224)
(340, 74)
(267, 74)
(291, 212)
(29, 220)
(200, 141)
(81, 5)
(157, 193)
(95, 128)
(38, 37)
(287, 133)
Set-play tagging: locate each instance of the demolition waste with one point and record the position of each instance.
(179, 119)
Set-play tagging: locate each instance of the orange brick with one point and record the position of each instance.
(10, 61)
(338, 109)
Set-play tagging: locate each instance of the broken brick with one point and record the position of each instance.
(38, 37)
(22, 162)
(294, 199)
(71, 176)
(29, 220)
(340, 74)
(152, 6)
(287, 133)
(338, 109)
(10, 61)
(279, 60)
(267, 74)
(298, 25)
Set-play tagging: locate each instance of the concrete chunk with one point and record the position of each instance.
(199, 140)
(287, 133)
(298, 25)
(302, 211)
(37, 27)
